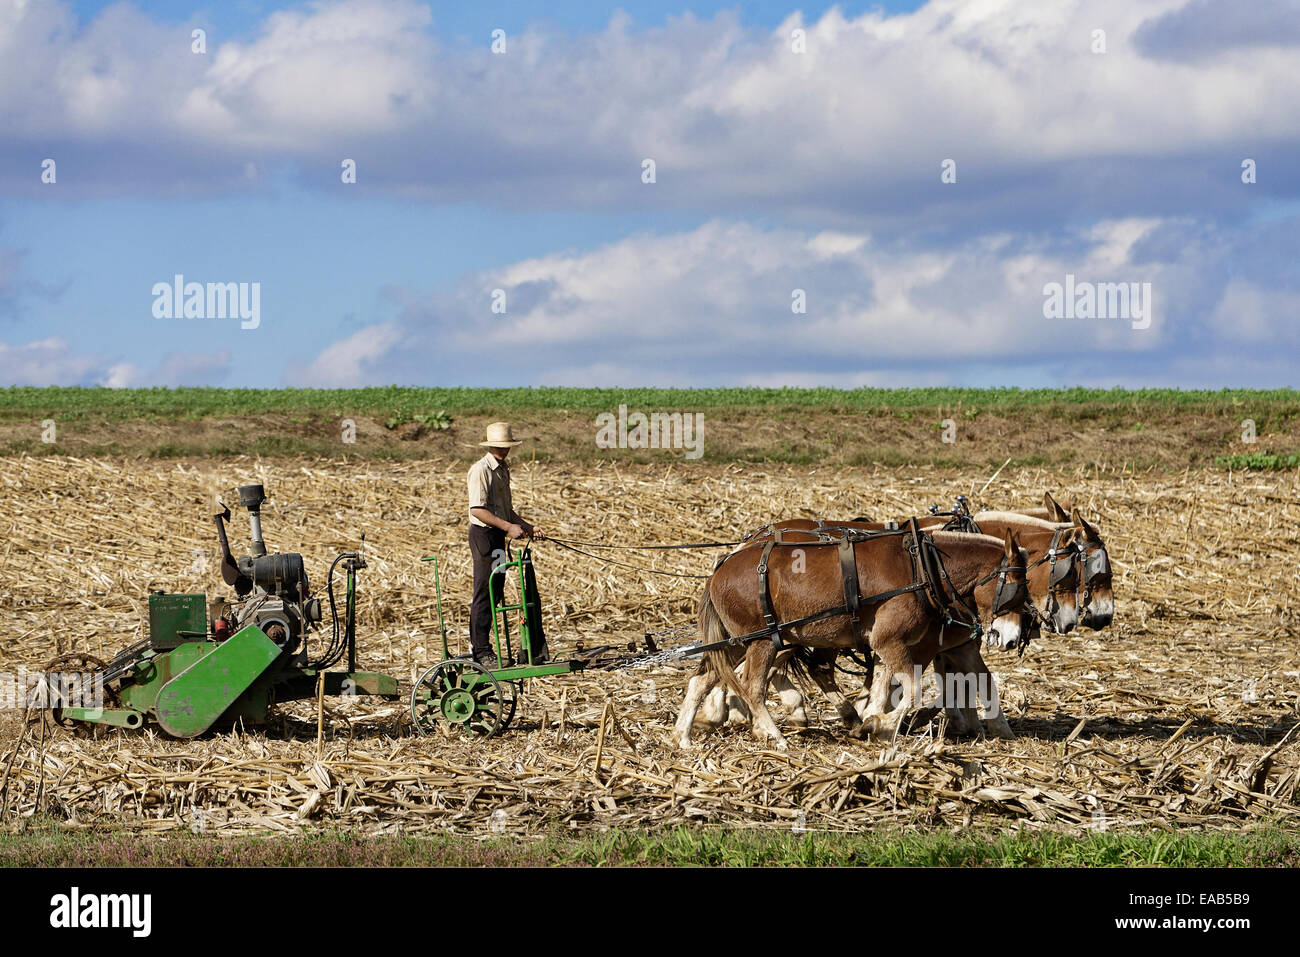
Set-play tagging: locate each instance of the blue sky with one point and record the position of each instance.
(785, 167)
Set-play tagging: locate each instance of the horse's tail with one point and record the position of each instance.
(721, 661)
(798, 662)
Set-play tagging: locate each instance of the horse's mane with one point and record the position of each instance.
(960, 538)
(1027, 520)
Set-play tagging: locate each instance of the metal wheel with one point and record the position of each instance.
(512, 690)
(78, 662)
(462, 693)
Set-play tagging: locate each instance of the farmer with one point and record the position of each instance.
(492, 518)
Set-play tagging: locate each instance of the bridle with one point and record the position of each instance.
(1008, 592)
(1094, 562)
(948, 602)
(1061, 569)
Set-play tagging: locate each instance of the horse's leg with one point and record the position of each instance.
(981, 688)
(791, 698)
(822, 671)
(723, 706)
(696, 689)
(890, 641)
(713, 711)
(958, 702)
(737, 710)
(995, 719)
(758, 665)
(876, 692)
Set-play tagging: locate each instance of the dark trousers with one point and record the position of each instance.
(487, 547)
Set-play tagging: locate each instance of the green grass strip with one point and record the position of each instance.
(198, 402)
(50, 846)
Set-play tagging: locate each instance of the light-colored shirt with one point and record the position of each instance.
(489, 488)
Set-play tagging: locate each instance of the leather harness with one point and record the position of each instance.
(929, 577)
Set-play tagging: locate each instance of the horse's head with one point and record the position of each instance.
(1093, 561)
(1002, 598)
(1060, 579)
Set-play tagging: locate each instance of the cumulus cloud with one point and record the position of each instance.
(854, 127)
(53, 361)
(817, 170)
(46, 362)
(352, 361)
(714, 305)
(175, 369)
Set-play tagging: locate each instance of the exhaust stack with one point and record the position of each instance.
(251, 497)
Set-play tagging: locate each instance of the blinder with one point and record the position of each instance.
(1096, 563)
(1060, 571)
(1009, 593)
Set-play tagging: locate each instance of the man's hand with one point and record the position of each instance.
(515, 531)
(537, 533)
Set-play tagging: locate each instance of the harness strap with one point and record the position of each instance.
(807, 619)
(849, 572)
(928, 578)
(765, 594)
(1053, 606)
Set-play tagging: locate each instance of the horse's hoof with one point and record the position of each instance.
(798, 720)
(878, 729)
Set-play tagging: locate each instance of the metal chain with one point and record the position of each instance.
(671, 654)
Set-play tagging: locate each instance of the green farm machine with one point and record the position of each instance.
(198, 670)
(205, 667)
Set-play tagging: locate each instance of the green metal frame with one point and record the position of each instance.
(499, 622)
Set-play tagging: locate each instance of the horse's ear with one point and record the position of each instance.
(1081, 523)
(1012, 546)
(1053, 509)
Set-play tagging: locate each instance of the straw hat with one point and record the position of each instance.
(500, 436)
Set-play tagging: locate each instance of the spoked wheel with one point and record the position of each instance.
(76, 662)
(511, 690)
(465, 695)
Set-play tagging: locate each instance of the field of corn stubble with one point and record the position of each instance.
(1181, 715)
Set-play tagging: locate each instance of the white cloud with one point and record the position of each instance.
(45, 362)
(175, 369)
(52, 361)
(351, 361)
(713, 305)
(856, 125)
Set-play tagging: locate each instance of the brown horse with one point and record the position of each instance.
(985, 578)
(1053, 554)
(1053, 579)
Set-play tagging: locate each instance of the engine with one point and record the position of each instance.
(271, 590)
